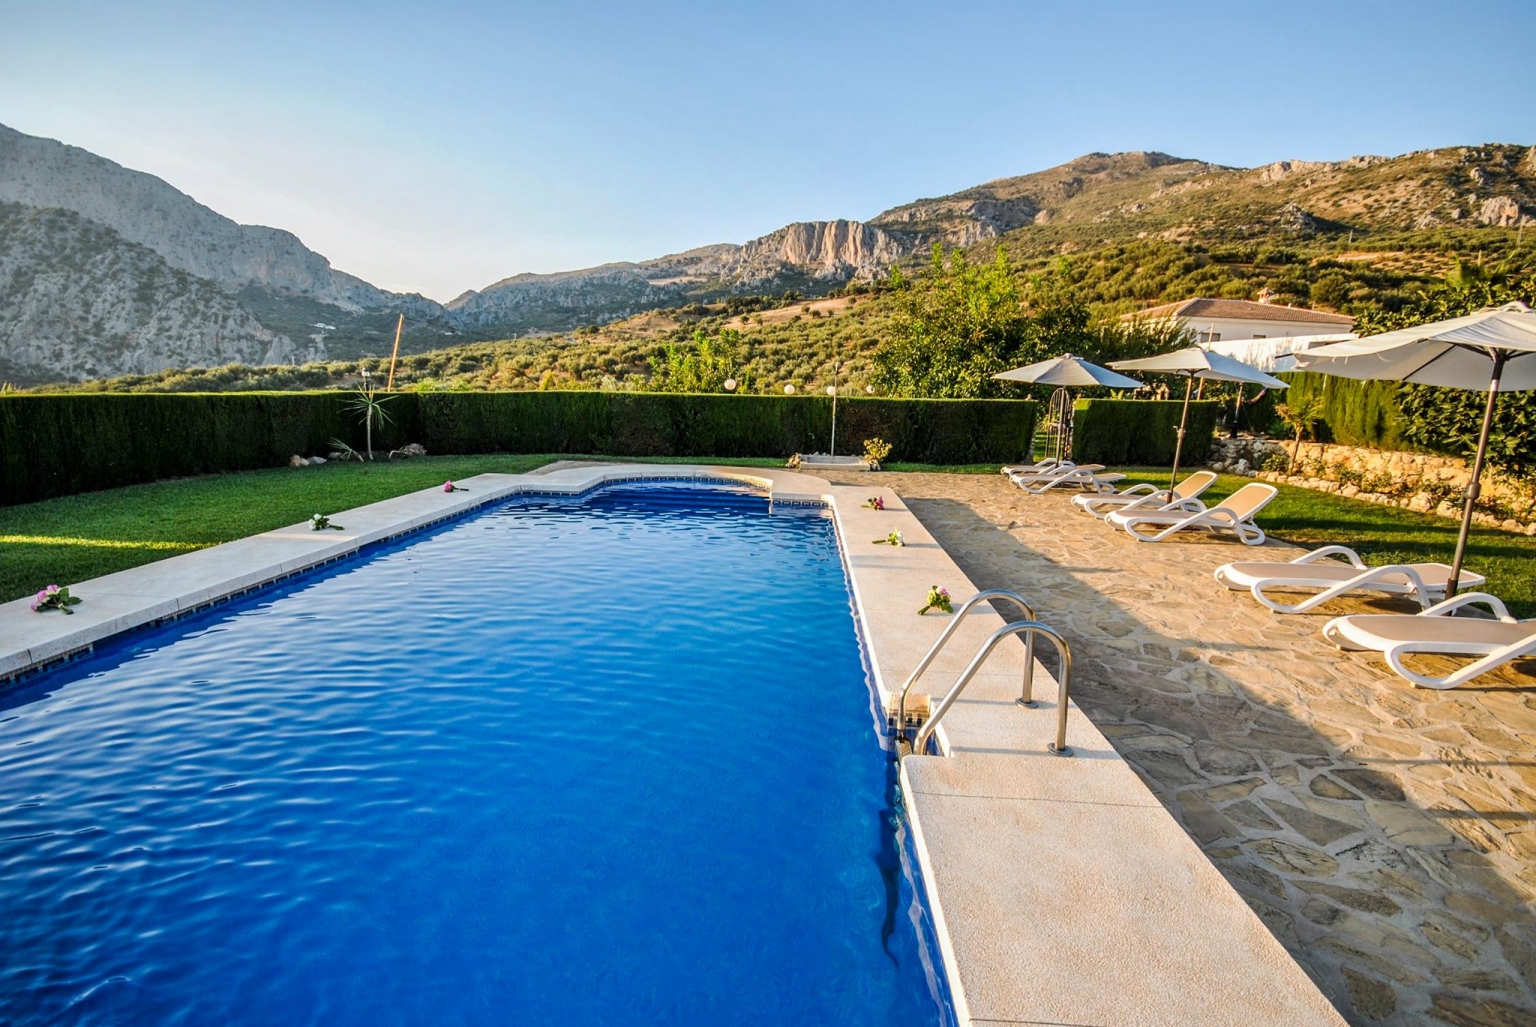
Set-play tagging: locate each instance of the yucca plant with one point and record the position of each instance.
(369, 405)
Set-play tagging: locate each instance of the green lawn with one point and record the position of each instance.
(1385, 534)
(78, 537)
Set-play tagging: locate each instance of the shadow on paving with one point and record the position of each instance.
(1383, 833)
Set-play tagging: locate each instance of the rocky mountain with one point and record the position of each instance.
(1001, 206)
(67, 279)
(189, 236)
(105, 270)
(808, 255)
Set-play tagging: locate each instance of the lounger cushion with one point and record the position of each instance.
(1381, 631)
(1242, 575)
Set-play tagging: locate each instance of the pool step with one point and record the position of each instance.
(919, 709)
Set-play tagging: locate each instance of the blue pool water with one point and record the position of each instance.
(578, 762)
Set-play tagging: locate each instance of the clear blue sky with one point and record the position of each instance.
(439, 150)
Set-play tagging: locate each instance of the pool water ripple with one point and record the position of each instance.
(592, 761)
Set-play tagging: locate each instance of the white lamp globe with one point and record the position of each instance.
(730, 385)
(789, 390)
(831, 390)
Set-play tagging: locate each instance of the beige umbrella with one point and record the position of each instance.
(1493, 349)
(1065, 372)
(1193, 363)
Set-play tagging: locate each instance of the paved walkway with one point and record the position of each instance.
(1386, 834)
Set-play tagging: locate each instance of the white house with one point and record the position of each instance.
(1215, 320)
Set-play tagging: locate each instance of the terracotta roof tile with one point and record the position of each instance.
(1241, 310)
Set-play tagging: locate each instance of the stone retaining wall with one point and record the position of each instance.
(1424, 482)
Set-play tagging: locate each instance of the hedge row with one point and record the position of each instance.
(1354, 412)
(1141, 432)
(58, 445)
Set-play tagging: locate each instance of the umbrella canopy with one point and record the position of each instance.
(1458, 353)
(1068, 371)
(1193, 363)
(1271, 355)
(1202, 363)
(1493, 350)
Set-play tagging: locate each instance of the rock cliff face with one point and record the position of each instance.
(827, 250)
(190, 237)
(80, 301)
(808, 251)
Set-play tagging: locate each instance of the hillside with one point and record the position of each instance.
(1139, 227)
(68, 278)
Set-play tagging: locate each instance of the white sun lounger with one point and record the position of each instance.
(1185, 496)
(1422, 581)
(1079, 476)
(1039, 467)
(1396, 635)
(1234, 514)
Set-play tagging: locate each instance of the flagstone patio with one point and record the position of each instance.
(1386, 834)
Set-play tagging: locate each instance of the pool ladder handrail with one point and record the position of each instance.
(1029, 628)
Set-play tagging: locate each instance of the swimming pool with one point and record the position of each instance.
(586, 761)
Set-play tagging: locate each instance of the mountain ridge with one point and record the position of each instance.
(264, 295)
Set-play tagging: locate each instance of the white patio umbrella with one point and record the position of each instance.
(1493, 349)
(1193, 363)
(1067, 371)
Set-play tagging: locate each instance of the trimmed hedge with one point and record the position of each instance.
(62, 444)
(935, 431)
(1141, 432)
(1355, 412)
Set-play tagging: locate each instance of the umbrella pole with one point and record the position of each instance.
(1178, 447)
(1475, 486)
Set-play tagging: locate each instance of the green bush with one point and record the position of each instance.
(1354, 412)
(671, 424)
(1141, 432)
(54, 445)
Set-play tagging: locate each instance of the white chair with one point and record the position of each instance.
(1078, 476)
(1234, 514)
(1424, 582)
(1396, 635)
(1039, 467)
(1184, 496)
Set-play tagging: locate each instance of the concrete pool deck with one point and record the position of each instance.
(1062, 889)
(1385, 833)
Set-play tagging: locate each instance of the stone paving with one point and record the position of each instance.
(1386, 834)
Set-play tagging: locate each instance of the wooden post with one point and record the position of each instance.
(389, 386)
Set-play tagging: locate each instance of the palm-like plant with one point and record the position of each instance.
(369, 405)
(1301, 419)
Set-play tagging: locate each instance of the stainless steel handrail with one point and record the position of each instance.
(1059, 747)
(1026, 695)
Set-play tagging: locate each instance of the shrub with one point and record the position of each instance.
(1141, 431)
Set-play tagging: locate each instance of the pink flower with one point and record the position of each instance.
(447, 486)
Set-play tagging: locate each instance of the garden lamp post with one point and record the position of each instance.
(832, 391)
